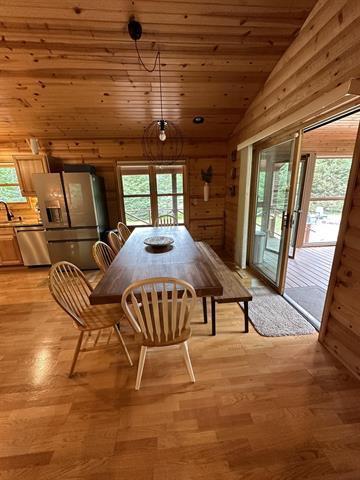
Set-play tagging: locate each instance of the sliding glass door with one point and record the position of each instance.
(273, 187)
(298, 206)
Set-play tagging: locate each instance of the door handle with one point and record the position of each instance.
(287, 220)
(284, 220)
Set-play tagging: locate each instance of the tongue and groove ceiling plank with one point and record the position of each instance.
(69, 69)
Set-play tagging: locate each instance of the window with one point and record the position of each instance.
(170, 192)
(9, 185)
(327, 199)
(150, 191)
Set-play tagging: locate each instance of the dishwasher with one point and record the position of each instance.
(33, 245)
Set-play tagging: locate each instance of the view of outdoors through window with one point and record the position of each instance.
(274, 169)
(327, 199)
(278, 195)
(9, 185)
(152, 191)
(170, 195)
(137, 201)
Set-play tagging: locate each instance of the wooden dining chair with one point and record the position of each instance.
(103, 255)
(115, 241)
(162, 318)
(123, 231)
(71, 291)
(166, 221)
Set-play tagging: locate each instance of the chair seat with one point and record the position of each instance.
(101, 316)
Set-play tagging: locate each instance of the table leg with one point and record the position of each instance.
(213, 316)
(205, 309)
(246, 315)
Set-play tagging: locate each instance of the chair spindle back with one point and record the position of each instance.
(123, 230)
(103, 255)
(165, 310)
(166, 221)
(70, 289)
(115, 242)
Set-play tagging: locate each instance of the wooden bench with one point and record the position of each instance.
(233, 290)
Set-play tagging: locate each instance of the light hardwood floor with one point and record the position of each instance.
(262, 408)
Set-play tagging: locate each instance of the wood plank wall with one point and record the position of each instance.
(206, 219)
(340, 331)
(323, 55)
(231, 202)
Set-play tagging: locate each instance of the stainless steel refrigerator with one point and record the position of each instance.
(73, 212)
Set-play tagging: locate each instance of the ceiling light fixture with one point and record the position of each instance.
(162, 139)
(198, 119)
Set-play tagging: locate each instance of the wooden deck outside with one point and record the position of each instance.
(310, 267)
(307, 279)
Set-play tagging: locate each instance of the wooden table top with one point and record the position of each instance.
(136, 262)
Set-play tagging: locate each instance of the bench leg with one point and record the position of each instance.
(213, 316)
(246, 315)
(205, 309)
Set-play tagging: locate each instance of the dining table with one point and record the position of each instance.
(138, 261)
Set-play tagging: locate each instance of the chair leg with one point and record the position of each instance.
(76, 353)
(140, 367)
(121, 340)
(185, 350)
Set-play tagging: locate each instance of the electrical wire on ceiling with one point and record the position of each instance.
(160, 129)
(162, 134)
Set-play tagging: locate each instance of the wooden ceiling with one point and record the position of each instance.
(68, 68)
(336, 137)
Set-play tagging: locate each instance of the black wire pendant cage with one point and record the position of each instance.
(157, 151)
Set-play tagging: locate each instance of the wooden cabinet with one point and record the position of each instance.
(9, 248)
(26, 165)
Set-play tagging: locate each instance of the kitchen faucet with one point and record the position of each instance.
(9, 213)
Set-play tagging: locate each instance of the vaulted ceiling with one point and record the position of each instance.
(69, 69)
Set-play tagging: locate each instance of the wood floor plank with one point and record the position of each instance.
(261, 408)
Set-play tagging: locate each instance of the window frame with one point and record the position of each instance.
(151, 171)
(13, 205)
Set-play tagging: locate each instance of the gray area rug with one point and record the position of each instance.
(311, 299)
(273, 316)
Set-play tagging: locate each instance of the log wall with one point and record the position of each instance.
(206, 219)
(324, 55)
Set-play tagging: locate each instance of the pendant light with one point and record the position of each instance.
(162, 139)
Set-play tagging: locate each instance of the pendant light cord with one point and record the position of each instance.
(161, 100)
(150, 70)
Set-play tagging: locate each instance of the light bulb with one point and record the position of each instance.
(162, 135)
